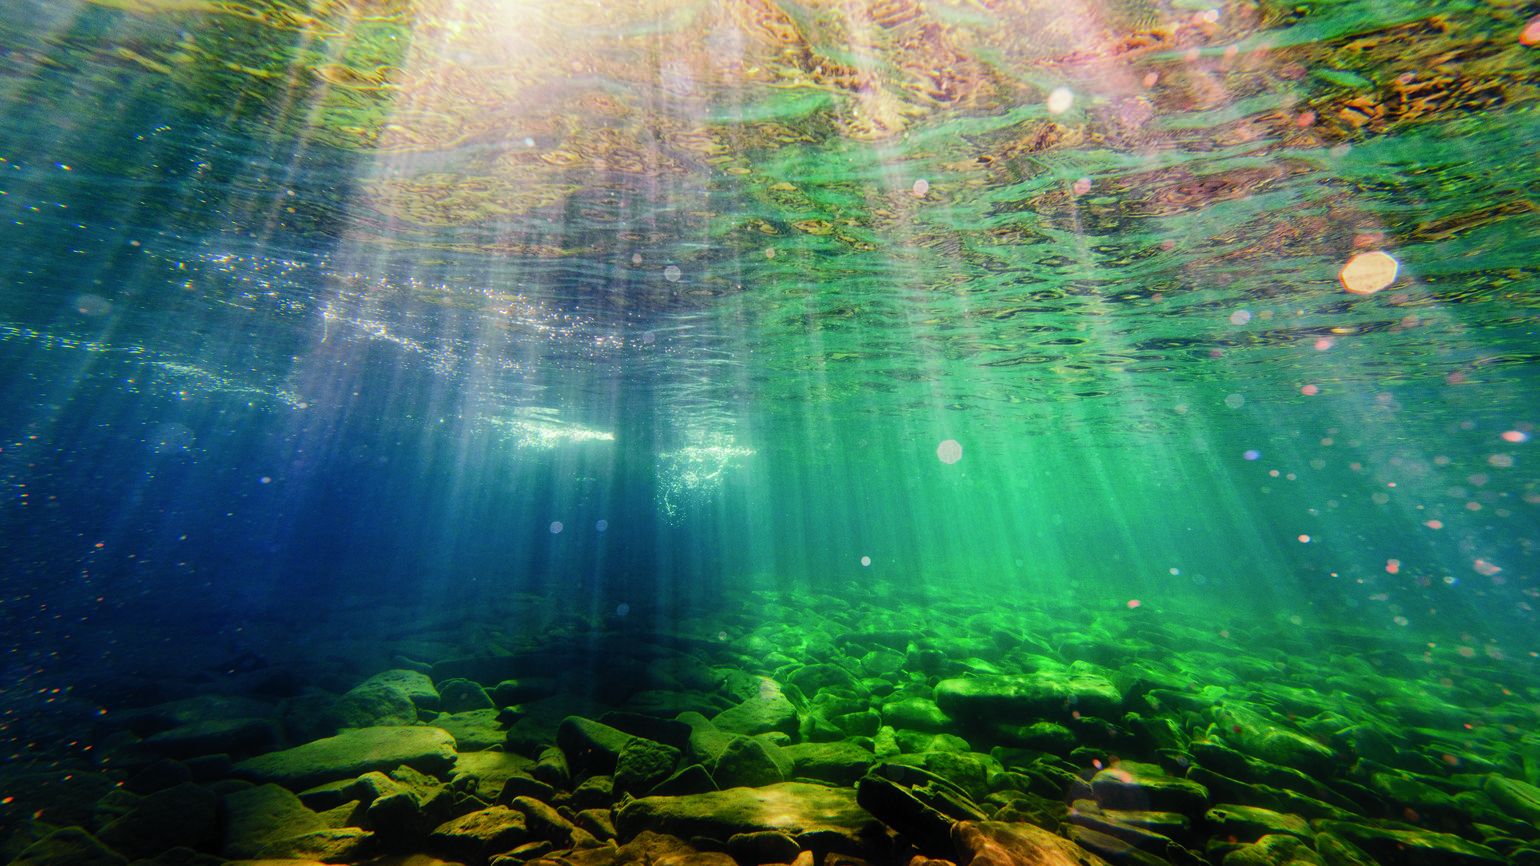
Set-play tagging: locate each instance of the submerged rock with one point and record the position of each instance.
(1048, 693)
(994, 843)
(68, 846)
(794, 808)
(351, 753)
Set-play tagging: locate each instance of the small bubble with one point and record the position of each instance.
(601, 525)
(920, 188)
(1060, 100)
(622, 609)
(1252, 454)
(556, 527)
(949, 451)
(1367, 273)
(866, 560)
(1240, 317)
(266, 479)
(1235, 401)
(672, 273)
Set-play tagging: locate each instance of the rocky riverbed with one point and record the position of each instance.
(785, 729)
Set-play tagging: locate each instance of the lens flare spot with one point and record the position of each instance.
(1433, 524)
(672, 273)
(1060, 100)
(949, 451)
(1530, 35)
(1304, 539)
(557, 527)
(1392, 566)
(1082, 186)
(920, 188)
(1515, 436)
(1133, 603)
(1240, 317)
(866, 561)
(1252, 454)
(1367, 273)
(1310, 390)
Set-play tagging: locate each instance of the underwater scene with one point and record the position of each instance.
(750, 432)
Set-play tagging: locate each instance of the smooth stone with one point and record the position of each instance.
(1260, 737)
(794, 808)
(511, 692)
(763, 847)
(812, 679)
(918, 714)
(1113, 848)
(1119, 825)
(1337, 851)
(352, 753)
(460, 695)
(995, 843)
(748, 762)
(691, 779)
(925, 827)
(473, 730)
(589, 745)
(484, 773)
(1046, 693)
(416, 685)
(328, 845)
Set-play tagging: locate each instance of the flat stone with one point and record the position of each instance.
(1274, 851)
(590, 745)
(919, 714)
(996, 843)
(484, 773)
(1519, 799)
(215, 736)
(353, 753)
(759, 715)
(794, 808)
(1133, 785)
(1047, 693)
(1250, 823)
(328, 845)
(840, 763)
(473, 730)
(1412, 847)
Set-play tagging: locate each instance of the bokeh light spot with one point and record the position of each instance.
(949, 451)
(672, 273)
(1060, 100)
(1367, 273)
(1515, 436)
(866, 561)
(1133, 603)
(601, 525)
(1310, 390)
(920, 188)
(556, 527)
(1240, 317)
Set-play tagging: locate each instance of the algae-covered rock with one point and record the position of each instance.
(327, 845)
(995, 843)
(919, 714)
(214, 736)
(1257, 735)
(473, 730)
(643, 763)
(478, 835)
(1519, 799)
(1045, 693)
(1412, 847)
(760, 714)
(748, 762)
(1133, 785)
(1250, 823)
(259, 816)
(839, 763)
(484, 773)
(68, 846)
(794, 808)
(590, 745)
(351, 753)
(1275, 851)
(459, 695)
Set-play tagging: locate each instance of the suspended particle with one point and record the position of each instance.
(1515, 436)
(1310, 390)
(1240, 317)
(1530, 35)
(556, 527)
(672, 273)
(866, 561)
(949, 451)
(1082, 186)
(920, 188)
(601, 525)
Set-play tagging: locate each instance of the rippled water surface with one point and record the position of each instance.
(1132, 299)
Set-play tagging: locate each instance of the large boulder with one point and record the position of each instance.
(997, 843)
(353, 753)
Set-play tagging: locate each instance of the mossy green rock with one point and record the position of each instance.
(590, 745)
(1275, 851)
(474, 837)
(794, 808)
(760, 714)
(1046, 693)
(748, 762)
(1147, 787)
(1250, 823)
(68, 846)
(919, 714)
(643, 763)
(838, 763)
(1406, 847)
(459, 695)
(1258, 736)
(1519, 799)
(327, 845)
(256, 817)
(473, 730)
(1337, 851)
(214, 736)
(352, 753)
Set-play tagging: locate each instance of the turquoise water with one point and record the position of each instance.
(338, 319)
